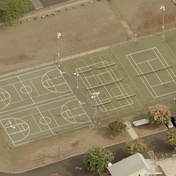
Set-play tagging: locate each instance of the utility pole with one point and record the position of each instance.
(163, 9)
(58, 53)
(95, 97)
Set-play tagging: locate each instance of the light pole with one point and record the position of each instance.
(76, 74)
(58, 54)
(163, 10)
(95, 97)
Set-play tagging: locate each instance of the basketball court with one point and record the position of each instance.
(86, 90)
(39, 104)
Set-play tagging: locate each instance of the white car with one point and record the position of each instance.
(169, 124)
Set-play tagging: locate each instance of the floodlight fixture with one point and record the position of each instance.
(58, 53)
(76, 74)
(163, 9)
(58, 35)
(95, 97)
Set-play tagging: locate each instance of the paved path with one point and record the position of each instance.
(130, 130)
(37, 4)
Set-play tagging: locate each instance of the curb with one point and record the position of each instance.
(53, 10)
(50, 10)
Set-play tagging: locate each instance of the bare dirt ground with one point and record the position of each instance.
(50, 150)
(83, 27)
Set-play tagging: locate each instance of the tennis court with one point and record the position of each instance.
(100, 73)
(150, 64)
(103, 85)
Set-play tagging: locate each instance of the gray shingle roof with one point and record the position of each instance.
(129, 165)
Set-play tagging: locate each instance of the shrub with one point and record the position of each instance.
(116, 127)
(171, 138)
(11, 10)
(135, 146)
(159, 114)
(97, 158)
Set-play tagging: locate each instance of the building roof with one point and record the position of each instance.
(130, 165)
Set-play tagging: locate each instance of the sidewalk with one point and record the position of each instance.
(131, 131)
(167, 165)
(52, 10)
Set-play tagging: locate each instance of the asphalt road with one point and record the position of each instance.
(47, 3)
(75, 167)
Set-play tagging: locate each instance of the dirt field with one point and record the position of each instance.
(84, 27)
(50, 150)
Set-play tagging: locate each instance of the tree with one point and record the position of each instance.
(135, 146)
(171, 138)
(97, 158)
(11, 10)
(159, 114)
(116, 127)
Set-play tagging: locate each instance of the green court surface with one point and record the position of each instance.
(87, 90)
(127, 77)
(38, 104)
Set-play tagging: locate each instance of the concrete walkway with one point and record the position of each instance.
(130, 130)
(168, 166)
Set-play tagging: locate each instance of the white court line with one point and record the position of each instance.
(105, 55)
(6, 98)
(34, 87)
(75, 98)
(46, 84)
(17, 92)
(41, 102)
(53, 116)
(35, 102)
(155, 73)
(141, 51)
(3, 101)
(105, 87)
(129, 76)
(34, 120)
(29, 72)
(3, 97)
(103, 106)
(65, 82)
(65, 111)
(87, 82)
(157, 85)
(165, 64)
(28, 129)
(14, 112)
(19, 128)
(121, 86)
(131, 59)
(26, 90)
(70, 119)
(145, 80)
(49, 80)
(72, 109)
(62, 131)
(148, 60)
(36, 107)
(79, 68)
(22, 99)
(3, 93)
(16, 130)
